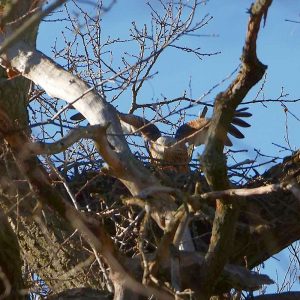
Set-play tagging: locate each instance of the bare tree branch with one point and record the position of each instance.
(213, 161)
(92, 230)
(28, 24)
(281, 296)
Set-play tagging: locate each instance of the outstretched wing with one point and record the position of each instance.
(132, 124)
(195, 131)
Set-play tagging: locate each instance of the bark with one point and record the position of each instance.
(269, 223)
(32, 64)
(81, 294)
(45, 234)
(281, 296)
(13, 97)
(11, 282)
(61, 265)
(213, 160)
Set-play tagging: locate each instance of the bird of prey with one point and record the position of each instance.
(171, 152)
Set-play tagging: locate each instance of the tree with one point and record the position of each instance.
(135, 237)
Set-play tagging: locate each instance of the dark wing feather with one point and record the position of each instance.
(228, 142)
(242, 109)
(240, 122)
(241, 113)
(235, 132)
(77, 117)
(204, 112)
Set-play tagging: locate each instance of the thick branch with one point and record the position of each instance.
(281, 296)
(214, 163)
(73, 136)
(92, 230)
(236, 276)
(29, 24)
(61, 84)
(240, 193)
(11, 281)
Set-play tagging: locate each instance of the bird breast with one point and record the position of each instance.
(169, 155)
(163, 142)
(164, 147)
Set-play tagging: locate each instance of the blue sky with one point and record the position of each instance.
(278, 47)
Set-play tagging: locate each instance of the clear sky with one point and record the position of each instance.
(278, 47)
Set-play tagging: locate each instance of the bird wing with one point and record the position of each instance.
(132, 124)
(238, 114)
(195, 131)
(135, 124)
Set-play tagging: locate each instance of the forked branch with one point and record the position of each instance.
(213, 160)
